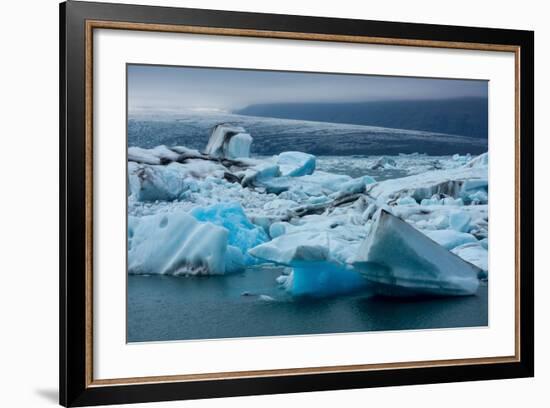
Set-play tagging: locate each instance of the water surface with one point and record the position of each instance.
(164, 308)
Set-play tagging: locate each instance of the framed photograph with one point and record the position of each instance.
(256, 203)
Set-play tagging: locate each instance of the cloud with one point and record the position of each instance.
(182, 88)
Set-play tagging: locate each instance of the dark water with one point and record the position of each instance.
(183, 308)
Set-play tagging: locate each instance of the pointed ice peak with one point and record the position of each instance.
(400, 260)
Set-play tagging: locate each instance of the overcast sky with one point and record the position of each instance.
(182, 88)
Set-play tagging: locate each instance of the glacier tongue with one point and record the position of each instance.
(400, 260)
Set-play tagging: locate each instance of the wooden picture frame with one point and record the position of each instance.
(78, 20)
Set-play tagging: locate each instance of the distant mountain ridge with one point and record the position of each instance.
(460, 116)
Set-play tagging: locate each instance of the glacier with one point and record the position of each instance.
(220, 210)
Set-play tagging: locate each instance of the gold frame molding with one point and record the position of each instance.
(117, 25)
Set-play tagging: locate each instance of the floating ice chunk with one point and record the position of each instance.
(463, 159)
(406, 201)
(175, 244)
(295, 164)
(399, 260)
(434, 200)
(157, 155)
(448, 183)
(299, 246)
(151, 183)
(384, 163)
(282, 279)
(322, 279)
(460, 221)
(317, 184)
(354, 186)
(242, 234)
(318, 199)
(238, 146)
(476, 254)
(218, 144)
(450, 238)
(186, 151)
(259, 174)
(452, 201)
(168, 182)
(478, 197)
(266, 298)
(480, 161)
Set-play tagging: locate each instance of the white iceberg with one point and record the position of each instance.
(452, 183)
(175, 244)
(168, 182)
(296, 164)
(299, 246)
(399, 260)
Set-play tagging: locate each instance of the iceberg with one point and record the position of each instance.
(322, 279)
(451, 183)
(289, 248)
(151, 183)
(399, 260)
(239, 146)
(176, 244)
(460, 221)
(316, 261)
(450, 239)
(480, 161)
(168, 182)
(295, 164)
(476, 254)
(242, 234)
(228, 141)
(384, 163)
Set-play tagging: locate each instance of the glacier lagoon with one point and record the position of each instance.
(292, 242)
